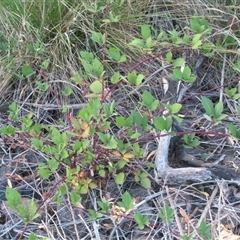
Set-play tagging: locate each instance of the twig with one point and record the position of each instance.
(204, 213)
(175, 212)
(222, 78)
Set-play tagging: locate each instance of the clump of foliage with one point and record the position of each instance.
(88, 150)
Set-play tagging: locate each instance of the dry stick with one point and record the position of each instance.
(175, 212)
(204, 213)
(222, 78)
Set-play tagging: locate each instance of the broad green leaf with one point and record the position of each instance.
(196, 38)
(114, 53)
(97, 67)
(96, 87)
(147, 98)
(218, 109)
(44, 173)
(145, 31)
(88, 56)
(169, 57)
(159, 123)
(179, 62)
(75, 198)
(67, 91)
(45, 64)
(115, 78)
(177, 74)
(120, 121)
(155, 105)
(197, 44)
(13, 198)
(149, 43)
(37, 143)
(207, 105)
(139, 79)
(138, 43)
(168, 123)
(132, 77)
(119, 178)
(186, 73)
(135, 135)
(232, 129)
(175, 108)
(98, 37)
(27, 71)
(221, 117)
(127, 201)
(141, 220)
(77, 78)
(145, 182)
(13, 107)
(166, 214)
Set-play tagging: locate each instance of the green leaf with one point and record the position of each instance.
(135, 135)
(179, 62)
(168, 123)
(44, 173)
(139, 79)
(13, 107)
(169, 57)
(45, 64)
(121, 163)
(94, 215)
(141, 220)
(207, 105)
(88, 56)
(75, 198)
(127, 201)
(145, 31)
(115, 78)
(37, 143)
(196, 42)
(204, 230)
(218, 109)
(105, 206)
(53, 164)
(166, 214)
(114, 53)
(67, 91)
(98, 37)
(149, 43)
(138, 43)
(13, 198)
(175, 108)
(27, 71)
(10, 130)
(108, 140)
(186, 73)
(32, 237)
(145, 182)
(177, 74)
(154, 105)
(174, 36)
(119, 178)
(120, 121)
(159, 123)
(232, 129)
(42, 86)
(147, 98)
(96, 87)
(97, 67)
(77, 78)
